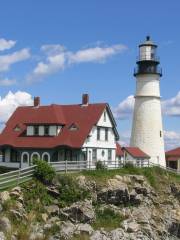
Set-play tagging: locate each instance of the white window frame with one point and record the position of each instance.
(46, 153)
(35, 153)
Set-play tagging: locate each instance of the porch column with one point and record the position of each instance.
(7, 155)
(178, 165)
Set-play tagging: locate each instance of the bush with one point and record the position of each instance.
(70, 191)
(44, 171)
(129, 165)
(100, 165)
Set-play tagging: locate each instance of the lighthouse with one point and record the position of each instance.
(147, 128)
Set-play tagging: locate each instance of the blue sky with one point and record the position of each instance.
(96, 43)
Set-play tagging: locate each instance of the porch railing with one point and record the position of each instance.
(13, 178)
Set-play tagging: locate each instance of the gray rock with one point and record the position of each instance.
(67, 230)
(2, 236)
(4, 196)
(79, 212)
(132, 227)
(100, 235)
(53, 210)
(5, 224)
(114, 194)
(84, 228)
(36, 232)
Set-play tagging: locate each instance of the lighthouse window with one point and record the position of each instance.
(160, 133)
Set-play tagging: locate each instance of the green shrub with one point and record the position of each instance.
(36, 196)
(100, 165)
(70, 191)
(44, 171)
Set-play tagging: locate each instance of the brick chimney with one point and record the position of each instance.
(36, 101)
(85, 99)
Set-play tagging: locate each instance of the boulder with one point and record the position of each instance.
(2, 236)
(118, 234)
(36, 232)
(79, 212)
(53, 210)
(44, 217)
(4, 196)
(141, 189)
(100, 235)
(132, 227)
(53, 191)
(116, 193)
(5, 224)
(137, 178)
(67, 230)
(84, 228)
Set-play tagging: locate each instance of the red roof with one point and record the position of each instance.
(172, 158)
(119, 151)
(135, 152)
(85, 117)
(174, 152)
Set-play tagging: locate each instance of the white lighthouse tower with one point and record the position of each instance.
(147, 129)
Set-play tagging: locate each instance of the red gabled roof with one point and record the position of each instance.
(85, 117)
(119, 151)
(135, 152)
(173, 153)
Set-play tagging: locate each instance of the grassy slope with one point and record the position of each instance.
(37, 198)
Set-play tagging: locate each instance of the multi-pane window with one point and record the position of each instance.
(36, 130)
(106, 134)
(109, 154)
(46, 130)
(94, 154)
(98, 133)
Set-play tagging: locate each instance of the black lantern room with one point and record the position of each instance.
(147, 62)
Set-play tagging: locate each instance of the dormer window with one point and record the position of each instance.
(17, 128)
(36, 130)
(73, 127)
(46, 130)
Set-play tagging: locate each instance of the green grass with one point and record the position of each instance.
(107, 219)
(70, 191)
(36, 197)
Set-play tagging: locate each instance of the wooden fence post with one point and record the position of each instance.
(66, 166)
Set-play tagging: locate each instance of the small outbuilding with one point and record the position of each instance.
(173, 158)
(135, 156)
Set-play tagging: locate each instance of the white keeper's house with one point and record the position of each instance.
(60, 132)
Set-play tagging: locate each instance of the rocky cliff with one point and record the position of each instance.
(94, 206)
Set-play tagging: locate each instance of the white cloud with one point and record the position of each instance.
(10, 102)
(96, 54)
(7, 82)
(58, 58)
(171, 107)
(125, 108)
(53, 49)
(7, 60)
(172, 139)
(6, 44)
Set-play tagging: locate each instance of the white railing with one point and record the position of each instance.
(172, 170)
(13, 178)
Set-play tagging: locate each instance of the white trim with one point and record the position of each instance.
(35, 153)
(46, 153)
(22, 155)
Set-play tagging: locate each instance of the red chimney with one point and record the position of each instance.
(85, 99)
(36, 101)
